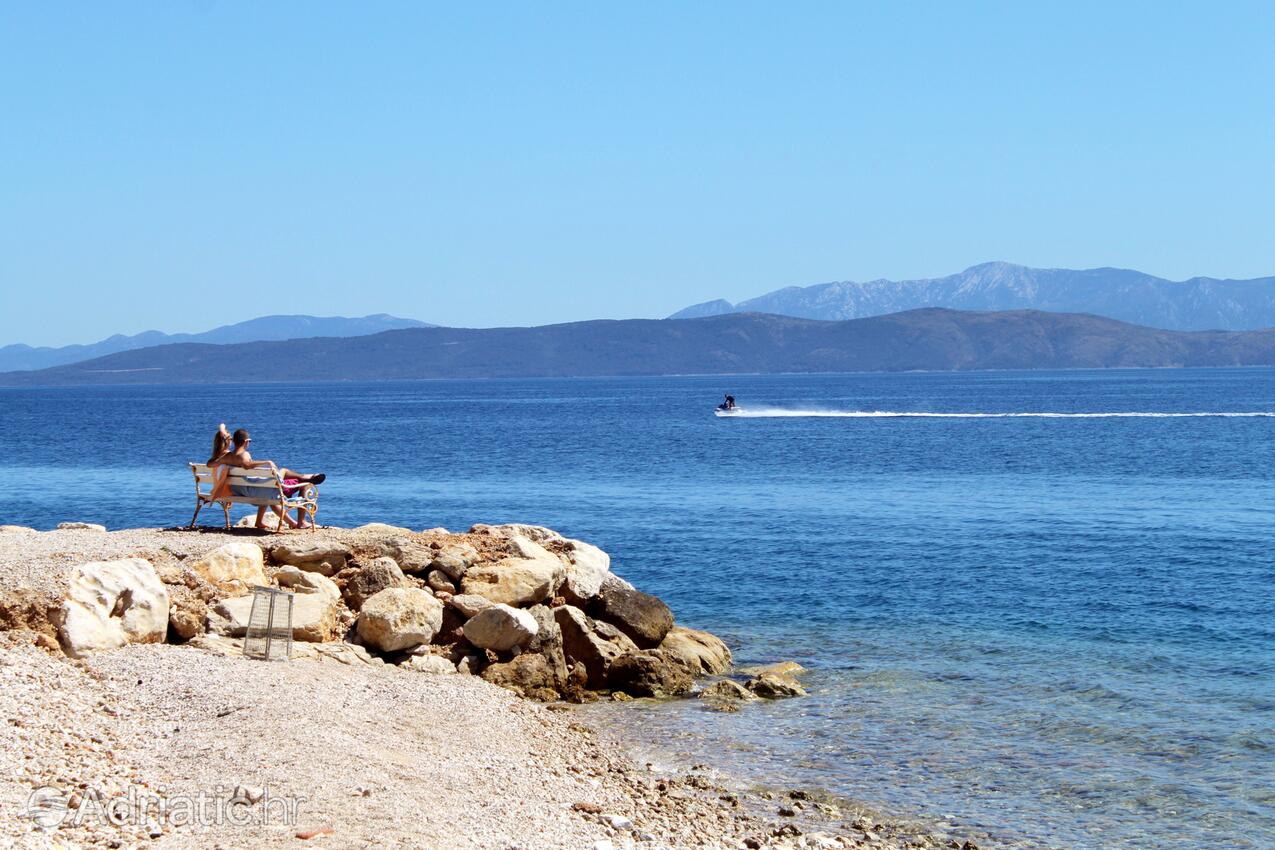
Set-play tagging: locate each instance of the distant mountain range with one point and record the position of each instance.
(930, 339)
(1201, 303)
(14, 357)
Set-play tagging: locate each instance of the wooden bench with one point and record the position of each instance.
(267, 488)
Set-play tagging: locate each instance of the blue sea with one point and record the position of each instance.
(1053, 630)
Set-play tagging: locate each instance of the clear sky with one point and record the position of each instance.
(177, 165)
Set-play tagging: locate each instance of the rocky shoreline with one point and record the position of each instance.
(425, 630)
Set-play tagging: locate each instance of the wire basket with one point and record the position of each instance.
(269, 636)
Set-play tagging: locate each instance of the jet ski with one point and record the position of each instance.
(727, 410)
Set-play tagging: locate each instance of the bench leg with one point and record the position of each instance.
(226, 507)
(199, 504)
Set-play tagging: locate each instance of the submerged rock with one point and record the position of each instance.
(705, 654)
(111, 603)
(727, 690)
(775, 686)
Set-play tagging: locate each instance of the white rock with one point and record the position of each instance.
(400, 618)
(429, 664)
(501, 628)
(111, 603)
(17, 529)
(618, 821)
(315, 556)
(234, 567)
(586, 567)
(80, 526)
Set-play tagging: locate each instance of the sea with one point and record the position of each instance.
(1035, 606)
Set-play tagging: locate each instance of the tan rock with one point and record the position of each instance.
(775, 686)
(371, 580)
(233, 568)
(80, 526)
(400, 618)
(469, 605)
(427, 663)
(515, 581)
(585, 643)
(649, 673)
(411, 555)
(454, 560)
(703, 653)
(314, 617)
(317, 556)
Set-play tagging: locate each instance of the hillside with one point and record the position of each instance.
(15, 357)
(932, 339)
(1201, 303)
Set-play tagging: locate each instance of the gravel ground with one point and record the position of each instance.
(375, 757)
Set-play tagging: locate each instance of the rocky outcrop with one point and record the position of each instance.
(515, 581)
(316, 556)
(501, 628)
(704, 654)
(111, 603)
(400, 618)
(234, 568)
(370, 580)
(641, 616)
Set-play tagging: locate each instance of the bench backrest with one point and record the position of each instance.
(261, 477)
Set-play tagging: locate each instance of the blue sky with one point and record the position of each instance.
(183, 165)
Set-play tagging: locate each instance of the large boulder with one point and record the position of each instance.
(111, 603)
(583, 643)
(586, 568)
(519, 582)
(234, 568)
(325, 557)
(314, 616)
(400, 618)
(641, 616)
(705, 654)
(371, 580)
(529, 675)
(649, 673)
(501, 628)
(411, 555)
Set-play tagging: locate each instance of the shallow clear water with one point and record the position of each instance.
(1056, 629)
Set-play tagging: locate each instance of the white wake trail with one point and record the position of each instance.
(781, 412)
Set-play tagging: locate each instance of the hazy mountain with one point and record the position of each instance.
(13, 357)
(932, 339)
(1201, 303)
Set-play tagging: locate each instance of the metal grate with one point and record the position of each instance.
(269, 636)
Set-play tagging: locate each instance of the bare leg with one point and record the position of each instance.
(284, 519)
(261, 517)
(289, 473)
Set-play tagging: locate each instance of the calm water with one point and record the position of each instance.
(1057, 630)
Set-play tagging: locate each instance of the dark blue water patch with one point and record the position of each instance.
(1060, 630)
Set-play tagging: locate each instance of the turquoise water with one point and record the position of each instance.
(1058, 630)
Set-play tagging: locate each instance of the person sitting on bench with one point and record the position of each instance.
(237, 455)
